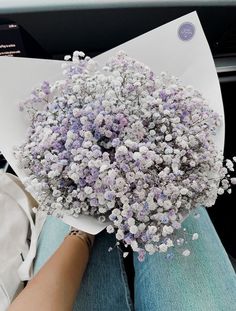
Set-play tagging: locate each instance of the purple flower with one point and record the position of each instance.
(128, 238)
(94, 172)
(170, 256)
(112, 217)
(97, 135)
(141, 255)
(124, 167)
(115, 142)
(56, 129)
(109, 196)
(91, 116)
(94, 202)
(89, 179)
(45, 87)
(164, 219)
(163, 95)
(76, 144)
(75, 127)
(82, 182)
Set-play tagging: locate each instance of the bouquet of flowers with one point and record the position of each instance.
(123, 145)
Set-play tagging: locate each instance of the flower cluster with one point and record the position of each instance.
(123, 145)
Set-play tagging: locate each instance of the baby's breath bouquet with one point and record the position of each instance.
(123, 145)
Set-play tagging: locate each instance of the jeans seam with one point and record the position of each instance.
(124, 280)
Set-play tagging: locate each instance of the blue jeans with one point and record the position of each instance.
(204, 281)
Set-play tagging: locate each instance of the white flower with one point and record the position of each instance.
(220, 191)
(168, 150)
(134, 246)
(88, 135)
(104, 167)
(125, 254)
(184, 191)
(133, 229)
(53, 174)
(168, 137)
(230, 165)
(156, 238)
(176, 120)
(122, 149)
(167, 204)
(130, 144)
(156, 114)
(143, 149)
(102, 210)
(110, 229)
(88, 190)
(195, 236)
(233, 181)
(141, 227)
(67, 57)
(167, 230)
(131, 221)
(119, 235)
(116, 212)
(163, 128)
(120, 182)
(137, 155)
(186, 252)
(152, 229)
(111, 204)
(150, 248)
(83, 120)
(166, 112)
(78, 54)
(163, 248)
(87, 144)
(169, 243)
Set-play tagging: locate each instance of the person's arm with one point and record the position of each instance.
(55, 286)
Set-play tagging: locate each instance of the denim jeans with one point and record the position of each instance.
(203, 281)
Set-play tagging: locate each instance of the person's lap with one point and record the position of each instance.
(204, 281)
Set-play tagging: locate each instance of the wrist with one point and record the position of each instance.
(86, 238)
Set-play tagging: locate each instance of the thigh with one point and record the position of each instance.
(104, 286)
(203, 281)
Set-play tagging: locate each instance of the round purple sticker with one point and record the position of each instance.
(186, 31)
